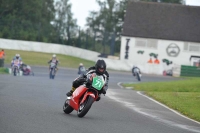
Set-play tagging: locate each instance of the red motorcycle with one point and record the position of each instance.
(84, 96)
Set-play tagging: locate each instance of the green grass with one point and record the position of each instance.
(3, 70)
(187, 85)
(41, 59)
(182, 95)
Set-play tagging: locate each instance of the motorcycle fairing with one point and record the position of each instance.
(74, 102)
(136, 70)
(52, 65)
(86, 95)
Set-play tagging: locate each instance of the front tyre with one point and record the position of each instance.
(50, 74)
(67, 108)
(54, 73)
(85, 107)
(15, 71)
(138, 77)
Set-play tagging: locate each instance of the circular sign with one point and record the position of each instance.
(173, 50)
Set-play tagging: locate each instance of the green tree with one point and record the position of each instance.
(103, 23)
(165, 1)
(64, 23)
(26, 20)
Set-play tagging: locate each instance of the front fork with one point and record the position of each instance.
(86, 95)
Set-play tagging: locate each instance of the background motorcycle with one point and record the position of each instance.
(84, 96)
(82, 70)
(136, 72)
(26, 69)
(52, 70)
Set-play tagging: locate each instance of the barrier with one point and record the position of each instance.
(176, 71)
(191, 71)
(9, 70)
(48, 48)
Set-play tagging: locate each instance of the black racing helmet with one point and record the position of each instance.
(100, 67)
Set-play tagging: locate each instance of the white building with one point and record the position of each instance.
(160, 33)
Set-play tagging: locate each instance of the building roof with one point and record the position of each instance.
(162, 21)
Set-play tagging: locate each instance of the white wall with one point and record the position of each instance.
(141, 59)
(62, 49)
(48, 48)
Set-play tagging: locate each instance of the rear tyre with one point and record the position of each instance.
(85, 107)
(67, 108)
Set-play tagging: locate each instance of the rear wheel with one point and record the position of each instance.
(67, 108)
(85, 106)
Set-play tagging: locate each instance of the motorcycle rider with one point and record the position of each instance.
(81, 68)
(16, 57)
(99, 69)
(134, 68)
(26, 69)
(53, 60)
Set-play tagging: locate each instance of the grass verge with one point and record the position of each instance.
(182, 95)
(3, 70)
(41, 59)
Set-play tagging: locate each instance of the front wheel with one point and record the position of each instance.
(138, 77)
(67, 108)
(85, 106)
(50, 74)
(15, 71)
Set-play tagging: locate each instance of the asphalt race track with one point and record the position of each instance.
(33, 104)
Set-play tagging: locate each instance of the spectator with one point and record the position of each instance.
(2, 54)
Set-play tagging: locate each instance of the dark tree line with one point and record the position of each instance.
(52, 21)
(25, 20)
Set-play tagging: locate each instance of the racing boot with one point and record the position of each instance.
(70, 92)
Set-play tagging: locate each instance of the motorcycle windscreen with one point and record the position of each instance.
(136, 70)
(82, 69)
(98, 82)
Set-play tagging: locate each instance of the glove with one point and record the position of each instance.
(90, 78)
(104, 91)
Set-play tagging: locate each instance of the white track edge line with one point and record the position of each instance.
(167, 107)
(138, 92)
